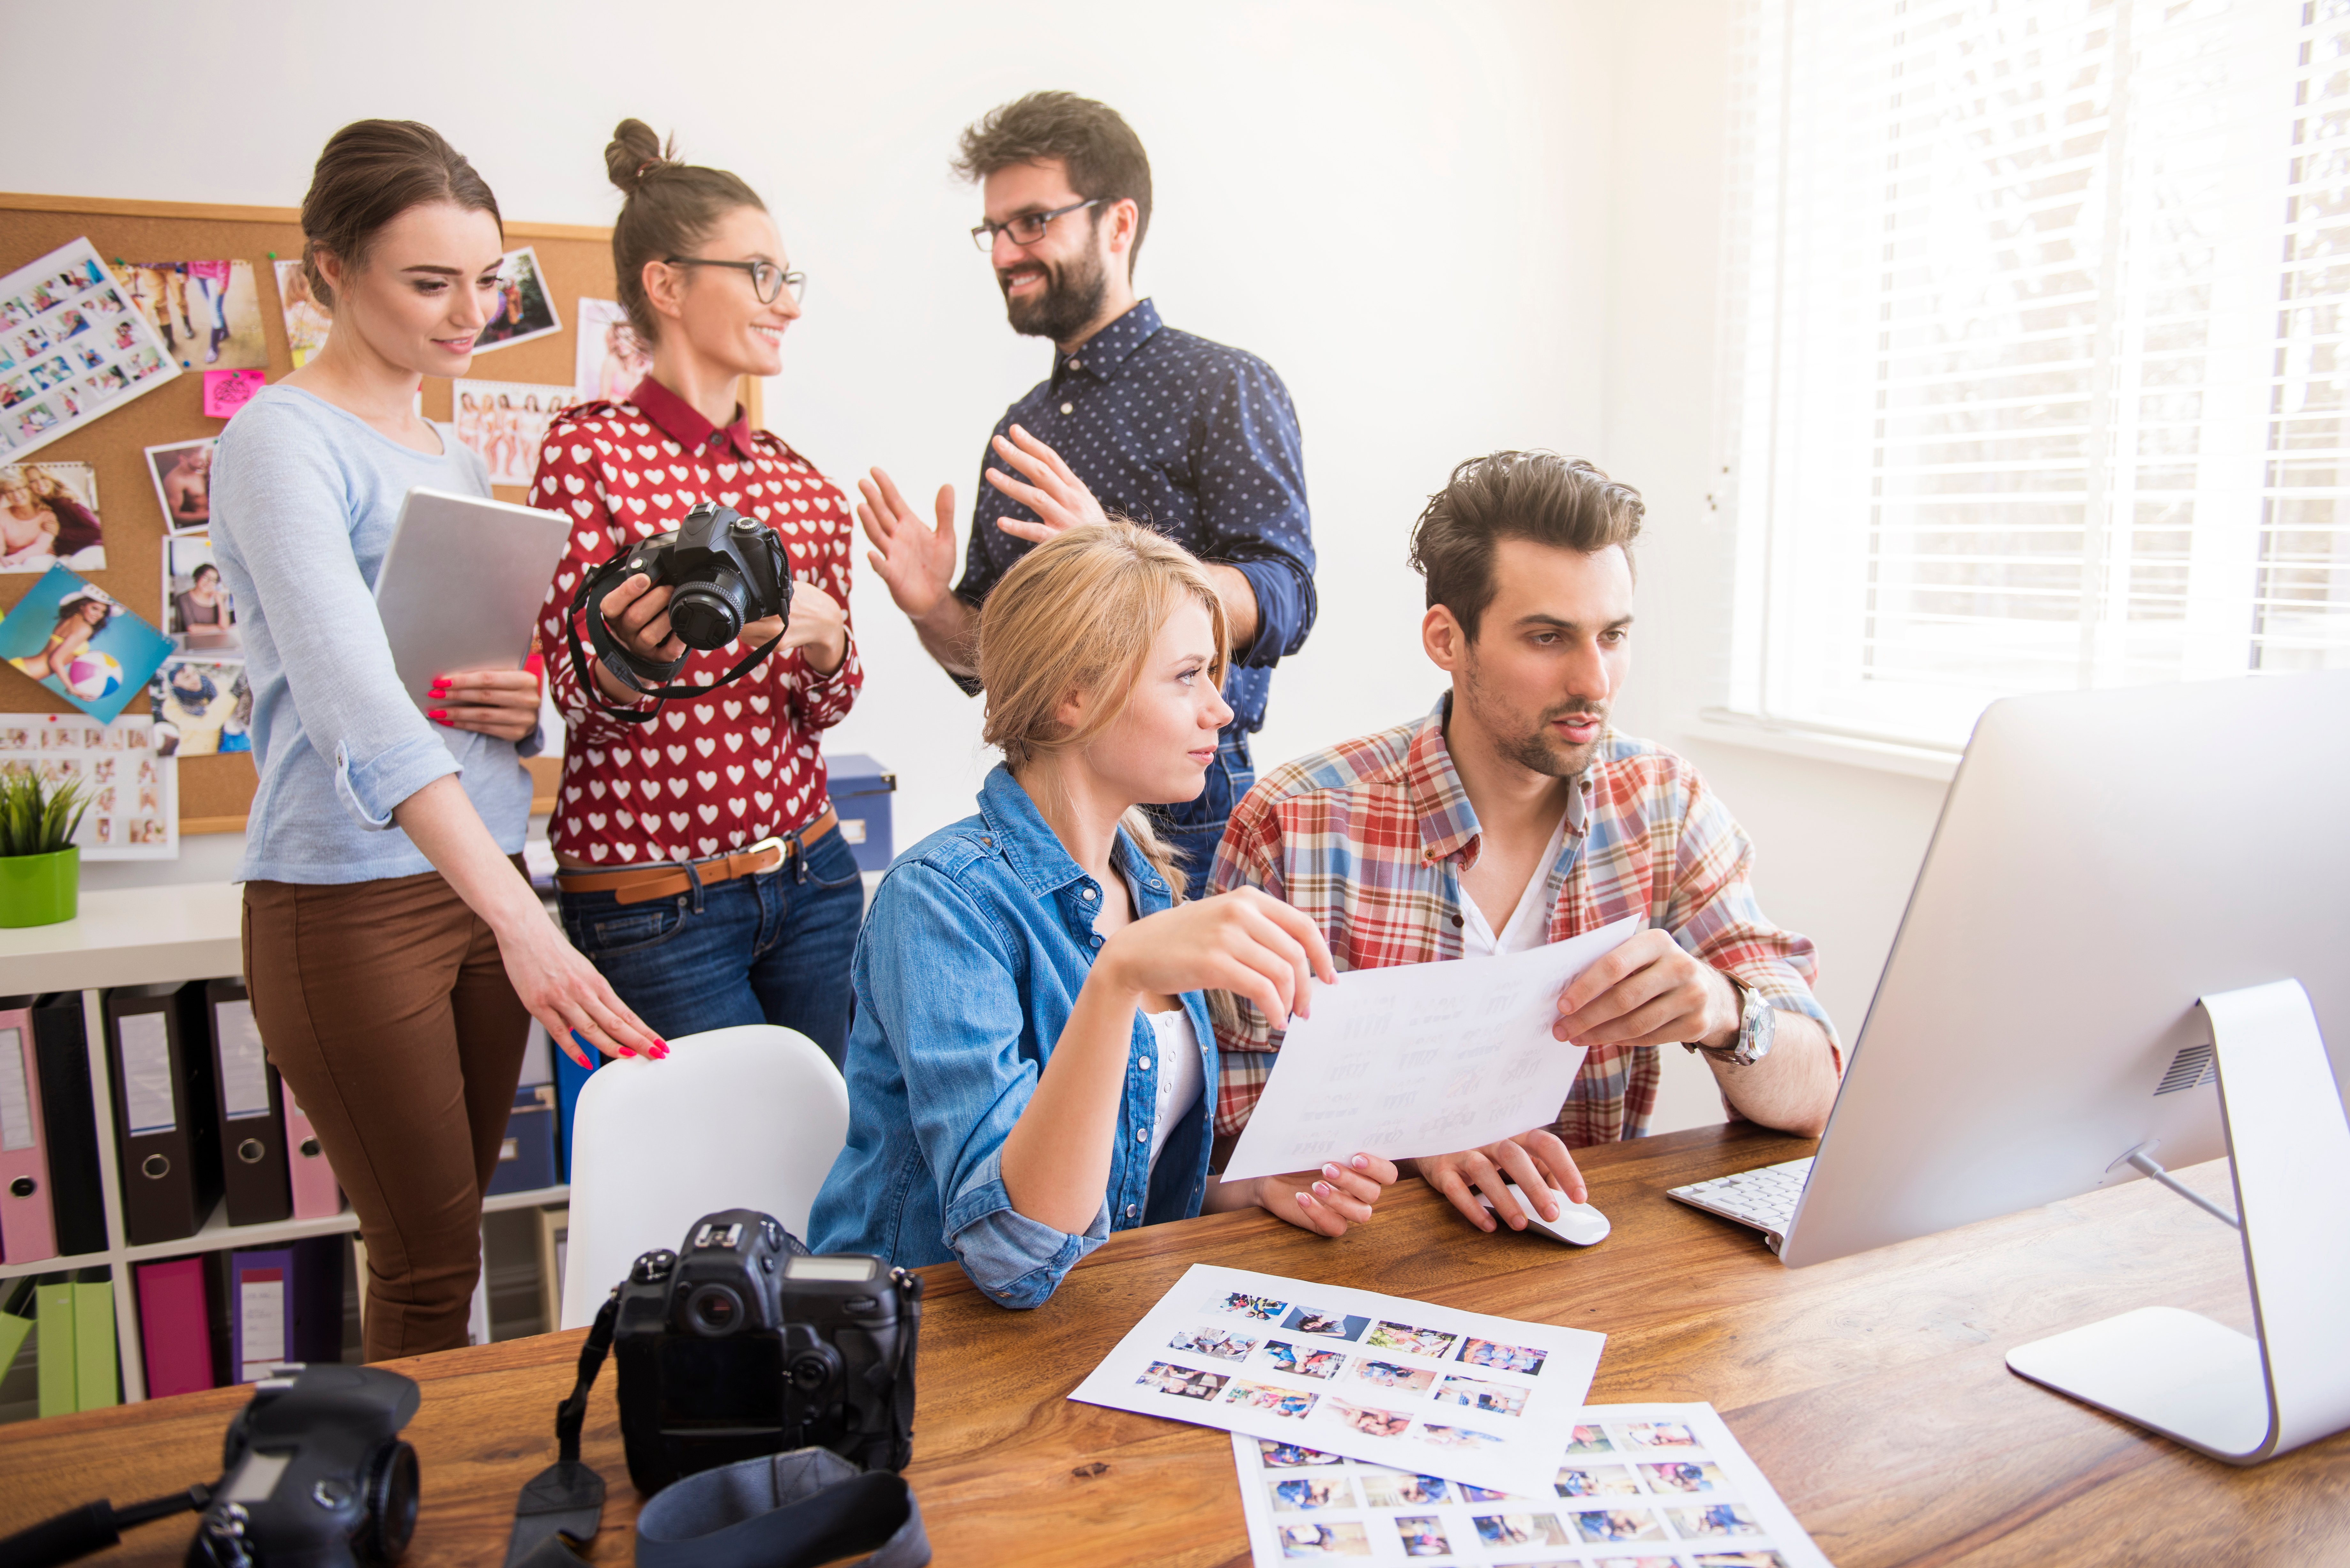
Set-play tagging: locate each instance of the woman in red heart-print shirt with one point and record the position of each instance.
(701, 866)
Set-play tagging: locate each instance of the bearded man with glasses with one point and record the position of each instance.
(1198, 440)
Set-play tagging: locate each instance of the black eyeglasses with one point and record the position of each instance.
(1028, 228)
(768, 281)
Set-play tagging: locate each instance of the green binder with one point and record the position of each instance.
(54, 1294)
(15, 1320)
(96, 1385)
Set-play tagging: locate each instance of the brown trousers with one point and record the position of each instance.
(385, 1006)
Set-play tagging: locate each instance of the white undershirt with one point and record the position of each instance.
(1529, 923)
(1180, 1081)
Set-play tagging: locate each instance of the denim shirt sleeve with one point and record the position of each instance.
(946, 995)
(279, 495)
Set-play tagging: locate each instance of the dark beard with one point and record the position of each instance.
(1537, 750)
(1069, 303)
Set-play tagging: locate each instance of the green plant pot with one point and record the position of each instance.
(39, 889)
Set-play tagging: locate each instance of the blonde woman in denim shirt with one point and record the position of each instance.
(1032, 1065)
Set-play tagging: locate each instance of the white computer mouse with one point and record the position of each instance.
(1578, 1224)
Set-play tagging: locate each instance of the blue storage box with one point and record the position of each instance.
(526, 1160)
(860, 794)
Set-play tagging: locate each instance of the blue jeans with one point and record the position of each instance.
(1196, 826)
(771, 948)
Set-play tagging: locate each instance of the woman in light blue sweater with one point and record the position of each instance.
(393, 948)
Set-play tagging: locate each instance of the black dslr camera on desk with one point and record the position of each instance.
(723, 570)
(744, 1343)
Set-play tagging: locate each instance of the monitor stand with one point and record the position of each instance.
(2237, 1399)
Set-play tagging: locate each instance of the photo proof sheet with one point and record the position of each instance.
(1400, 1383)
(1423, 1058)
(1635, 1486)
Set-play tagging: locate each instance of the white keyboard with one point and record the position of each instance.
(1764, 1198)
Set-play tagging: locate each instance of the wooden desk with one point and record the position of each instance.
(1870, 1390)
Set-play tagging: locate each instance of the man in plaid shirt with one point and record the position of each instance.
(1512, 816)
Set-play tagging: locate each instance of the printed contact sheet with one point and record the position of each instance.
(1405, 1384)
(1633, 1486)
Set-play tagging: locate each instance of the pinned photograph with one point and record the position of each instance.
(1655, 1435)
(1336, 1539)
(1498, 1399)
(1428, 1341)
(1523, 1358)
(1291, 1457)
(1520, 1529)
(504, 423)
(183, 472)
(1330, 1325)
(131, 807)
(307, 321)
(1262, 1309)
(1713, 1520)
(1220, 1342)
(49, 516)
(1683, 1475)
(1306, 1494)
(1457, 1437)
(1423, 1536)
(197, 615)
(1273, 1401)
(202, 708)
(524, 309)
(1286, 1357)
(1184, 1382)
(610, 361)
(69, 349)
(208, 313)
(1598, 1480)
(1371, 1423)
(1608, 1524)
(73, 638)
(1391, 1376)
(1402, 1488)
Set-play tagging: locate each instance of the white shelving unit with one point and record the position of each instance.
(152, 935)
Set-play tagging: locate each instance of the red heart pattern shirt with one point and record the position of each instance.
(720, 773)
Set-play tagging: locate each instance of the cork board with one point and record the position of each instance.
(216, 791)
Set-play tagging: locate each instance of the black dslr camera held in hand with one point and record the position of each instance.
(723, 570)
(742, 1343)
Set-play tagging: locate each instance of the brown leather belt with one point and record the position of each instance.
(634, 885)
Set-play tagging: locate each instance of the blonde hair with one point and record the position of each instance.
(1079, 612)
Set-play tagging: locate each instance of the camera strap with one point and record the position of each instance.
(623, 664)
(795, 1509)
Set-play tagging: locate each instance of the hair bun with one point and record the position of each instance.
(634, 152)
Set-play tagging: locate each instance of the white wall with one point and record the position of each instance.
(1451, 229)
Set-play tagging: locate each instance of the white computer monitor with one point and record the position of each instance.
(2103, 860)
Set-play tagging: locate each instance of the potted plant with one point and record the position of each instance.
(40, 869)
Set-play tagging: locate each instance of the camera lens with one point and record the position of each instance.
(712, 1310)
(708, 615)
(392, 1494)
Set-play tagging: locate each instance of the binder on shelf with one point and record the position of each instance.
(17, 1311)
(175, 1326)
(251, 1105)
(316, 1194)
(526, 1158)
(70, 1123)
(53, 1341)
(554, 1250)
(163, 1123)
(285, 1304)
(27, 1230)
(569, 1079)
(98, 1379)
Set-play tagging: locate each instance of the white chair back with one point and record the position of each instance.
(750, 1117)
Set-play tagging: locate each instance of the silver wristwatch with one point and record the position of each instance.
(1757, 1020)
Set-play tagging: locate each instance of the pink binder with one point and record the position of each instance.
(175, 1325)
(316, 1194)
(27, 1230)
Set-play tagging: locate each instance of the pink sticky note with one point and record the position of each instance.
(225, 391)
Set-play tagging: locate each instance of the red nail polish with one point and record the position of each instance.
(440, 714)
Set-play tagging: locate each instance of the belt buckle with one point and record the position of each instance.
(782, 847)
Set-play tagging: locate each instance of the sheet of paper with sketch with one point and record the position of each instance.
(1421, 1059)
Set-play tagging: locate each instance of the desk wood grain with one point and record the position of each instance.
(1871, 1390)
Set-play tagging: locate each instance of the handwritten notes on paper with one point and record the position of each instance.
(1421, 1059)
(225, 391)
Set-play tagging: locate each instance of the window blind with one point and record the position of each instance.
(2033, 351)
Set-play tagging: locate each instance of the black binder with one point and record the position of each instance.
(163, 1112)
(252, 1108)
(70, 1123)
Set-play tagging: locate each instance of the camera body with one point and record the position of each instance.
(313, 1474)
(725, 571)
(742, 1343)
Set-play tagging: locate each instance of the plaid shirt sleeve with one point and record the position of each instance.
(1248, 857)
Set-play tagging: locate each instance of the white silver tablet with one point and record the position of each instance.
(461, 585)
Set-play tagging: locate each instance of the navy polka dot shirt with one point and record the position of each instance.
(1199, 442)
